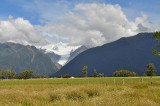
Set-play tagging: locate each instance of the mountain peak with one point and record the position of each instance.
(129, 53)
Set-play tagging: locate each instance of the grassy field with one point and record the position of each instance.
(135, 91)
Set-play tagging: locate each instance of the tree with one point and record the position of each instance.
(124, 73)
(151, 70)
(101, 75)
(25, 74)
(12, 74)
(19, 76)
(95, 73)
(156, 36)
(84, 71)
(37, 76)
(31, 74)
(4, 74)
(8, 73)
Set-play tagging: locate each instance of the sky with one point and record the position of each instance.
(76, 22)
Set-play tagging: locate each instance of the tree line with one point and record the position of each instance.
(26, 74)
(150, 71)
(29, 74)
(7, 74)
(121, 73)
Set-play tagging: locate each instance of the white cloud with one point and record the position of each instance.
(143, 24)
(96, 24)
(20, 31)
(10, 17)
(88, 24)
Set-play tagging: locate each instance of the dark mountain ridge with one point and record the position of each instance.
(128, 53)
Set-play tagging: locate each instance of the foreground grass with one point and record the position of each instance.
(81, 91)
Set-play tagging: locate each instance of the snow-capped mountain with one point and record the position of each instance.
(59, 52)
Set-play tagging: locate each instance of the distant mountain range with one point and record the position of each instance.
(19, 57)
(62, 53)
(130, 53)
(42, 61)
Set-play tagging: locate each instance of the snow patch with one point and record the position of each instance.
(62, 49)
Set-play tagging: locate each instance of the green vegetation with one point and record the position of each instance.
(81, 91)
(95, 73)
(84, 71)
(156, 36)
(26, 74)
(67, 76)
(124, 73)
(101, 75)
(7, 74)
(151, 70)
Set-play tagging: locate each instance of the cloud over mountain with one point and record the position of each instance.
(96, 24)
(20, 31)
(87, 24)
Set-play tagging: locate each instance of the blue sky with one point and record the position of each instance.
(23, 8)
(76, 22)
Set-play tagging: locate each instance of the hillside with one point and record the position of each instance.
(130, 53)
(18, 57)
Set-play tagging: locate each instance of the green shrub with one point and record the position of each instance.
(67, 76)
(124, 73)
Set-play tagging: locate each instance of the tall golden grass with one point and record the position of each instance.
(81, 91)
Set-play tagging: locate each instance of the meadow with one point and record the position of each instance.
(112, 91)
